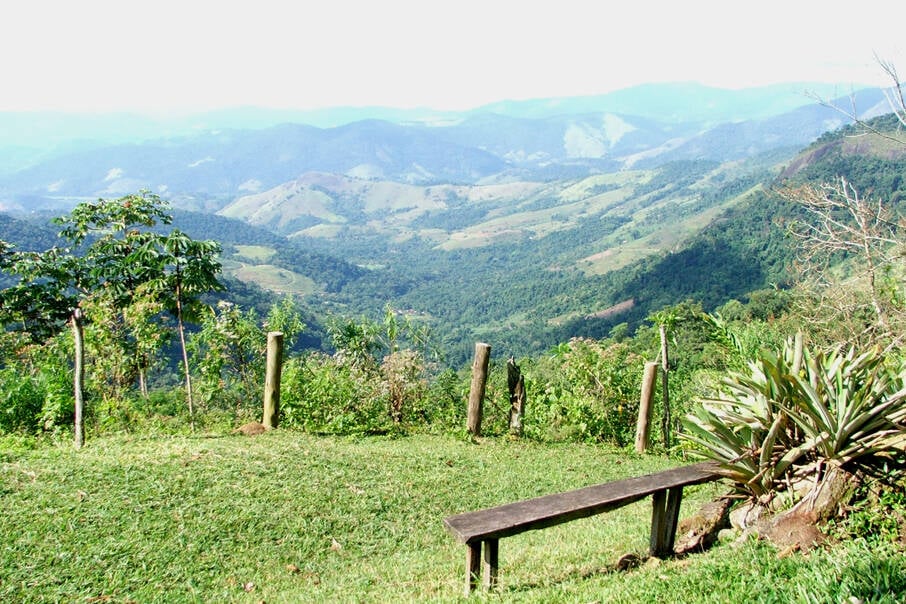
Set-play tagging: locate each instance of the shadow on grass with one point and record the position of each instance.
(572, 575)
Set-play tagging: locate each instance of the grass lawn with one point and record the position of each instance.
(289, 517)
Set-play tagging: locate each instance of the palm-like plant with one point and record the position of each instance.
(851, 406)
(797, 412)
(746, 427)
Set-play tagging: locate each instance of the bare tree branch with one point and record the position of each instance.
(894, 95)
(895, 99)
(840, 221)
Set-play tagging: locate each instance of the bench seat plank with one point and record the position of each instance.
(549, 510)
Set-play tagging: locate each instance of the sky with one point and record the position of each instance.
(165, 56)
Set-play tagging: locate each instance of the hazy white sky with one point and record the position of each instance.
(165, 55)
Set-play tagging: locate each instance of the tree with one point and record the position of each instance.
(102, 258)
(895, 100)
(186, 269)
(112, 256)
(841, 224)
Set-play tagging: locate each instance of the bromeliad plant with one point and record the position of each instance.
(799, 414)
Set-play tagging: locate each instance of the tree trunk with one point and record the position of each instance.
(516, 385)
(142, 382)
(185, 357)
(79, 377)
(830, 495)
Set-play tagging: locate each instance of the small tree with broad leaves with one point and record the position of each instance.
(112, 253)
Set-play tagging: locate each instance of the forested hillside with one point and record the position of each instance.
(526, 265)
(527, 294)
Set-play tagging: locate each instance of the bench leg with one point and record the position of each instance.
(473, 564)
(490, 563)
(664, 518)
(480, 566)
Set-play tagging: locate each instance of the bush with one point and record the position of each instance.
(404, 385)
(21, 402)
(797, 412)
(443, 407)
(588, 390)
(322, 394)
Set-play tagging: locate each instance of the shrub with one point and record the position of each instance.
(404, 385)
(444, 404)
(795, 413)
(320, 393)
(588, 390)
(21, 402)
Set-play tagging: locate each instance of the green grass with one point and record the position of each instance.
(277, 279)
(288, 517)
(255, 253)
(248, 265)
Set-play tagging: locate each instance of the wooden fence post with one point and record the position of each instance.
(665, 366)
(79, 377)
(516, 385)
(477, 388)
(272, 379)
(644, 423)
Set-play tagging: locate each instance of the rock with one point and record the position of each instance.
(250, 429)
(628, 562)
(792, 532)
(727, 535)
(746, 515)
(700, 531)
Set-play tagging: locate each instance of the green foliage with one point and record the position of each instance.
(21, 401)
(372, 383)
(41, 299)
(404, 385)
(876, 516)
(325, 394)
(284, 316)
(110, 218)
(588, 390)
(356, 342)
(795, 410)
(186, 269)
(443, 407)
(851, 406)
(121, 274)
(228, 353)
(740, 335)
(35, 384)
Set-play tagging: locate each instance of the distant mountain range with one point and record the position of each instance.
(206, 161)
(524, 227)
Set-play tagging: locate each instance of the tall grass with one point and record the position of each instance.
(288, 517)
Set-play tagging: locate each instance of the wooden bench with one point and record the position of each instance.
(483, 529)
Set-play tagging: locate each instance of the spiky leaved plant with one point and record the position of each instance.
(745, 426)
(800, 414)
